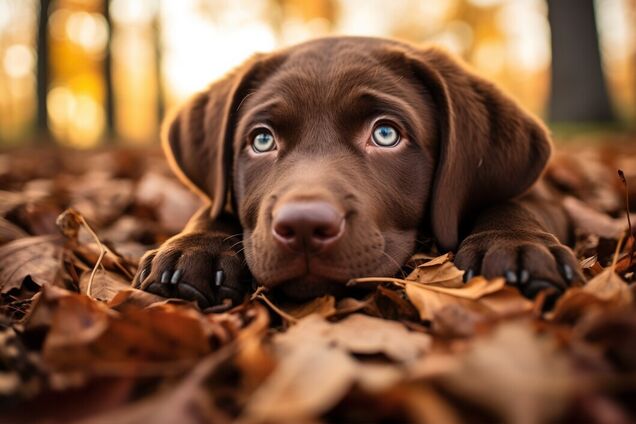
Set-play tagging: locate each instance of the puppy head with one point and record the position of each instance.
(339, 151)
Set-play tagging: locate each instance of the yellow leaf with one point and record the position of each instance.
(428, 298)
(324, 306)
(473, 290)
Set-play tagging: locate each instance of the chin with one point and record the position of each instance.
(310, 286)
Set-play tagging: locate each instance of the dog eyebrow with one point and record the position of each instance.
(264, 111)
(372, 101)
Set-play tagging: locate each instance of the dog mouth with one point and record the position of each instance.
(305, 278)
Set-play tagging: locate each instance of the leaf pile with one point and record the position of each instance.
(77, 344)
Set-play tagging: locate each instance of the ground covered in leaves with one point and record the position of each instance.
(77, 344)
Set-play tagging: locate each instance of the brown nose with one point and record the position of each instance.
(307, 226)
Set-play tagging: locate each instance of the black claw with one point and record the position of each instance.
(186, 291)
(219, 278)
(468, 275)
(533, 288)
(142, 275)
(524, 276)
(175, 277)
(511, 277)
(165, 277)
(156, 288)
(568, 273)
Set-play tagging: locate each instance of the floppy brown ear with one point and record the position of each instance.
(197, 137)
(490, 148)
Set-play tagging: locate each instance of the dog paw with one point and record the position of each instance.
(531, 261)
(206, 268)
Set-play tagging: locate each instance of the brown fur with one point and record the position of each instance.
(467, 153)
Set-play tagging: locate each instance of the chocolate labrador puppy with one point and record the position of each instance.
(330, 160)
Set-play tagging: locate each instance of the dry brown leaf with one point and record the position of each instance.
(375, 378)
(9, 231)
(429, 302)
(609, 286)
(519, 376)
(316, 370)
(430, 298)
(363, 334)
(455, 320)
(360, 334)
(36, 257)
(10, 200)
(105, 285)
(438, 271)
(187, 403)
(607, 290)
(101, 198)
(426, 406)
(324, 306)
(439, 260)
(472, 290)
(591, 221)
(174, 203)
(310, 379)
(507, 302)
(349, 305)
(129, 296)
(86, 335)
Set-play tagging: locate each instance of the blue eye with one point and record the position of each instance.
(263, 141)
(385, 135)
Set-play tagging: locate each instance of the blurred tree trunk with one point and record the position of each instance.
(579, 92)
(161, 99)
(108, 76)
(42, 71)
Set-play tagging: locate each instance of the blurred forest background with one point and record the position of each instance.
(85, 73)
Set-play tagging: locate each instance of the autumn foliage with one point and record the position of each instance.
(77, 344)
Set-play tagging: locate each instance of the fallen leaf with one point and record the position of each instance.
(349, 305)
(472, 290)
(507, 302)
(519, 376)
(429, 298)
(438, 271)
(591, 221)
(311, 379)
(455, 320)
(36, 257)
(393, 304)
(105, 285)
(101, 198)
(609, 286)
(439, 260)
(129, 296)
(614, 334)
(324, 306)
(359, 334)
(605, 291)
(174, 203)
(426, 406)
(187, 403)
(10, 231)
(87, 336)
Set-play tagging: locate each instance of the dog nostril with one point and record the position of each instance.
(327, 231)
(284, 231)
(307, 225)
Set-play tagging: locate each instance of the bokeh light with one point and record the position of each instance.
(146, 56)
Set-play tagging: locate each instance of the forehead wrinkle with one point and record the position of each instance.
(257, 111)
(392, 103)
